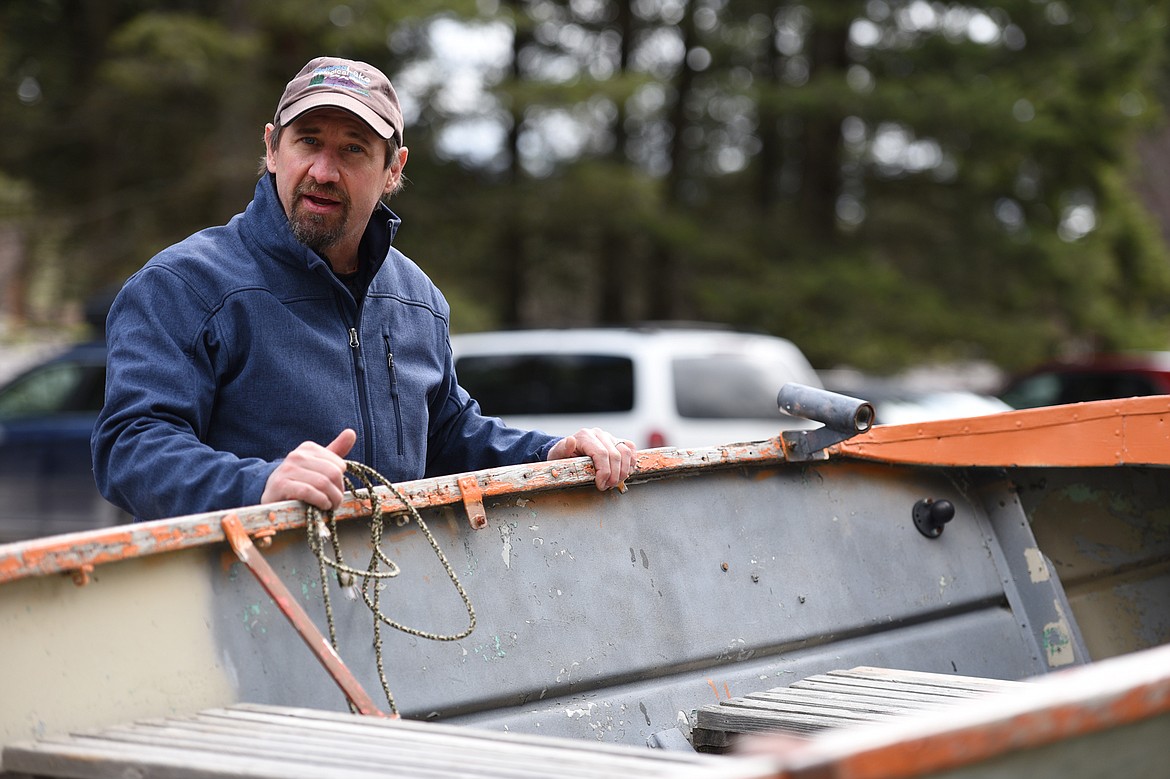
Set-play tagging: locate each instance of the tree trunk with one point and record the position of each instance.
(615, 247)
(821, 158)
(664, 270)
(514, 269)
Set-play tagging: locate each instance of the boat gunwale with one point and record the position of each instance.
(1036, 437)
(1119, 432)
(78, 553)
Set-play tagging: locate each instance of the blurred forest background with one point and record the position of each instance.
(883, 182)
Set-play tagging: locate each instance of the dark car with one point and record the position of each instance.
(1097, 377)
(46, 477)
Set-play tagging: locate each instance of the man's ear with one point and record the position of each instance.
(394, 180)
(269, 153)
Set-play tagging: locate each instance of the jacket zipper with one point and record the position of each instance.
(394, 396)
(363, 402)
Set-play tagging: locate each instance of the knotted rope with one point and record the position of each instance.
(362, 477)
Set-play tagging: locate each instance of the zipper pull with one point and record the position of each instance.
(390, 365)
(353, 339)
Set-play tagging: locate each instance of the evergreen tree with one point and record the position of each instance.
(883, 182)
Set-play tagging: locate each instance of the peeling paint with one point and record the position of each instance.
(252, 619)
(1057, 639)
(1037, 565)
(472, 561)
(506, 537)
(578, 713)
(737, 650)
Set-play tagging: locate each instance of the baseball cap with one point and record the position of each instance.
(357, 87)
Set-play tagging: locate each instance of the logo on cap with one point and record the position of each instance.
(341, 77)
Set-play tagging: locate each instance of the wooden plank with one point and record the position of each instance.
(258, 742)
(897, 690)
(742, 720)
(342, 751)
(879, 702)
(832, 703)
(1108, 718)
(975, 683)
(436, 733)
(82, 757)
(837, 699)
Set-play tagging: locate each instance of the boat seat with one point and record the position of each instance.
(834, 700)
(258, 742)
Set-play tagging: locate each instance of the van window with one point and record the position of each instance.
(725, 387)
(510, 384)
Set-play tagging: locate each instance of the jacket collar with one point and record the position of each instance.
(267, 226)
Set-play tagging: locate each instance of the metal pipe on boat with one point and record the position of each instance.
(835, 411)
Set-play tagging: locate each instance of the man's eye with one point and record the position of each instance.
(309, 141)
(356, 149)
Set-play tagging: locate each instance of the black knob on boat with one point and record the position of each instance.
(930, 515)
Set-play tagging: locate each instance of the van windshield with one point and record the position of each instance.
(507, 384)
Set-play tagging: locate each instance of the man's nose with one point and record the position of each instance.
(324, 167)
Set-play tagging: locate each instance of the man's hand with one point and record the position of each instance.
(612, 458)
(312, 473)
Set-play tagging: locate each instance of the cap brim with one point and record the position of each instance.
(336, 100)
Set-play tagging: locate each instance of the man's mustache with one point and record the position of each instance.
(327, 192)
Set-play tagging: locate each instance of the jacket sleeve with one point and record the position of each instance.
(461, 438)
(148, 456)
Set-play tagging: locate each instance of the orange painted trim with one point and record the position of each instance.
(1056, 707)
(1134, 431)
(80, 551)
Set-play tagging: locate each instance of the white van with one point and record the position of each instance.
(658, 386)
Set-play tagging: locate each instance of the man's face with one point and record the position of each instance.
(330, 174)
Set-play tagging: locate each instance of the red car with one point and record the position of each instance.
(1098, 377)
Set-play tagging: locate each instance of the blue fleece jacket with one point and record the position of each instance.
(230, 348)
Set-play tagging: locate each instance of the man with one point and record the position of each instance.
(247, 361)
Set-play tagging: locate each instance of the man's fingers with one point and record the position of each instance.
(341, 445)
(566, 447)
(312, 473)
(324, 494)
(613, 460)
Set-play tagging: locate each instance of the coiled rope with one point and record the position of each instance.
(363, 478)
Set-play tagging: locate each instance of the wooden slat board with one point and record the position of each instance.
(836, 699)
(260, 742)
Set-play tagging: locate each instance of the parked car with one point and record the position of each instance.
(899, 401)
(46, 477)
(658, 386)
(1097, 377)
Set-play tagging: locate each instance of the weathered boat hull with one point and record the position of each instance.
(611, 617)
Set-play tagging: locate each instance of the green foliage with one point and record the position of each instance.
(884, 182)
